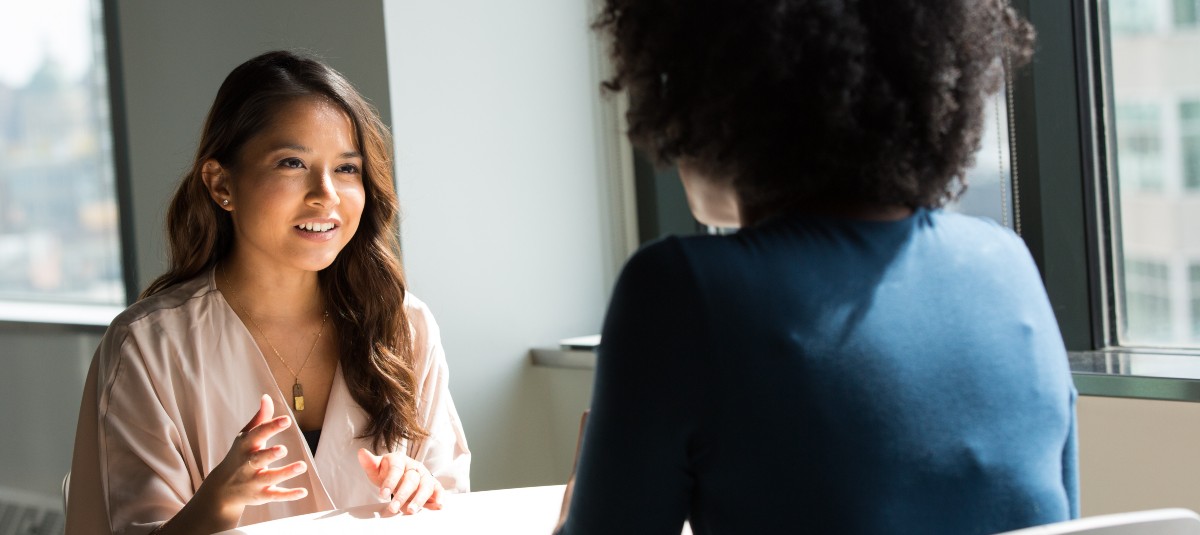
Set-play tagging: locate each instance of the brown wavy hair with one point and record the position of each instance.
(364, 288)
(806, 102)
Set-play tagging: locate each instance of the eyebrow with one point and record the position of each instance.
(301, 148)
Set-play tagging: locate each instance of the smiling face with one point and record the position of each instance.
(296, 192)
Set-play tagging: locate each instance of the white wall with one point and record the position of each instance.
(505, 186)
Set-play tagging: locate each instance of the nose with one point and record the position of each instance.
(322, 191)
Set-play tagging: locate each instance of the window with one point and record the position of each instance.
(1194, 283)
(1135, 16)
(1157, 153)
(1186, 14)
(1147, 302)
(1139, 142)
(1189, 141)
(989, 181)
(59, 237)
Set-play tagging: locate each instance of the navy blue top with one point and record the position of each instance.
(819, 375)
(312, 437)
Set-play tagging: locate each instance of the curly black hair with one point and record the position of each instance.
(804, 102)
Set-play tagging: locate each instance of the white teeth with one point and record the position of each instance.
(316, 227)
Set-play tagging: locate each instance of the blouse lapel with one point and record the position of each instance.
(337, 454)
(261, 381)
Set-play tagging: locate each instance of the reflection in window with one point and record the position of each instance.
(1139, 142)
(1133, 16)
(1194, 282)
(58, 213)
(1189, 140)
(1185, 13)
(1147, 300)
(1156, 119)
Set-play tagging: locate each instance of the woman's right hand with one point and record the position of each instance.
(243, 478)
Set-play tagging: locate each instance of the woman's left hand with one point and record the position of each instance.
(407, 481)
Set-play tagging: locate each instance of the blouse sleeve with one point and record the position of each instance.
(128, 471)
(444, 452)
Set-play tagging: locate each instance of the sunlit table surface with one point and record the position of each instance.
(532, 510)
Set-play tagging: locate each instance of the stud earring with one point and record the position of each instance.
(225, 202)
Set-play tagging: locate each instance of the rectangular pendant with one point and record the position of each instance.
(298, 397)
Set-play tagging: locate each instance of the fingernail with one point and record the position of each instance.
(394, 507)
(383, 493)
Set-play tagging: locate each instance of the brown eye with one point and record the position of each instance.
(291, 163)
(348, 168)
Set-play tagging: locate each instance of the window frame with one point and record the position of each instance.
(120, 137)
(1063, 109)
(89, 317)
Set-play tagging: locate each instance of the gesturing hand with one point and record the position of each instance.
(244, 477)
(406, 481)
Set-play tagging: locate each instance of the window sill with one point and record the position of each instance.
(1162, 374)
(577, 353)
(87, 317)
(574, 359)
(1143, 374)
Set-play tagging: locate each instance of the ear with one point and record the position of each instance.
(216, 179)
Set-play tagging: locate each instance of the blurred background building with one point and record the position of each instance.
(1156, 105)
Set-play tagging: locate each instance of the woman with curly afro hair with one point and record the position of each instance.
(854, 359)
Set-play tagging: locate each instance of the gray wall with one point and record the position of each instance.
(43, 372)
(175, 55)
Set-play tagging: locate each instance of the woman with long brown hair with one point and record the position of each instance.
(284, 296)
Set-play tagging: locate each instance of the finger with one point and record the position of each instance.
(266, 409)
(408, 485)
(370, 465)
(392, 473)
(263, 458)
(435, 501)
(424, 491)
(257, 437)
(268, 477)
(280, 494)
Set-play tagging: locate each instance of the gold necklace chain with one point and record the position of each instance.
(297, 388)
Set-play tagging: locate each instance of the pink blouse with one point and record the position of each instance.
(175, 379)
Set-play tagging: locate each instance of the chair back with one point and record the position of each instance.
(1152, 522)
(66, 489)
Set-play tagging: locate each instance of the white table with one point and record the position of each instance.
(532, 510)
